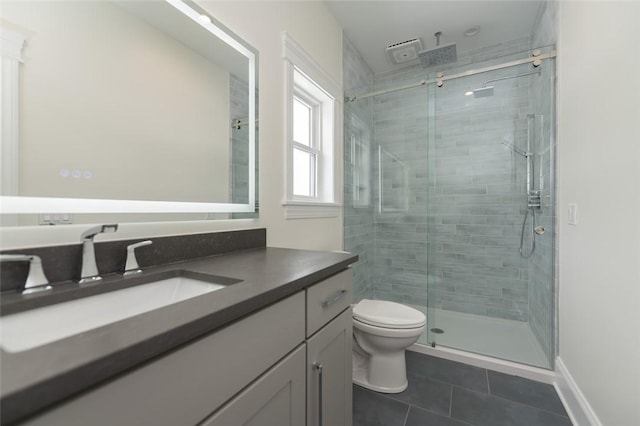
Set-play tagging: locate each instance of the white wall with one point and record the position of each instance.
(315, 29)
(261, 24)
(599, 169)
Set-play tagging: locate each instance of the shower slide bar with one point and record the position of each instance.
(536, 59)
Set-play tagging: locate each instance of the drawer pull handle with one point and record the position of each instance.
(340, 295)
(318, 367)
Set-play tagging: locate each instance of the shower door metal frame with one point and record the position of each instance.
(536, 59)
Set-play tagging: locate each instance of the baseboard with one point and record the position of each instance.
(580, 411)
(507, 367)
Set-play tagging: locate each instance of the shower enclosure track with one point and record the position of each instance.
(536, 59)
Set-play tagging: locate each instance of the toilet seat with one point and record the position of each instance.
(396, 333)
(389, 315)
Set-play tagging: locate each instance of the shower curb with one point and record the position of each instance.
(508, 367)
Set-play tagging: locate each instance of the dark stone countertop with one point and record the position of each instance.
(35, 379)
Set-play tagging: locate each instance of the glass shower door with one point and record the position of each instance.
(490, 212)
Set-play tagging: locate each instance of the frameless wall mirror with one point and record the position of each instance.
(125, 107)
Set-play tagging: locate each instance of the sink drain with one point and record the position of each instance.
(437, 330)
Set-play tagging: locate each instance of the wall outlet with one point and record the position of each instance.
(55, 219)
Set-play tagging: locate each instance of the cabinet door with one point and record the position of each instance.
(276, 398)
(329, 393)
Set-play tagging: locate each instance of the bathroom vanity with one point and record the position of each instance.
(272, 348)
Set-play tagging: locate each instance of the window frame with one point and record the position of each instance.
(307, 81)
(315, 141)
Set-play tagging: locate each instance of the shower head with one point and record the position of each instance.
(483, 92)
(439, 55)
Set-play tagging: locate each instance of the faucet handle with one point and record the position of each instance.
(131, 265)
(36, 280)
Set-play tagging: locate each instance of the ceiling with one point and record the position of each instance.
(373, 25)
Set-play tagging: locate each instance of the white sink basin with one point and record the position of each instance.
(37, 327)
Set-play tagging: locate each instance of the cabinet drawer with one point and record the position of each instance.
(327, 299)
(185, 386)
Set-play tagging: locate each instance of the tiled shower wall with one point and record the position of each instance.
(457, 198)
(400, 124)
(358, 220)
(477, 198)
(465, 193)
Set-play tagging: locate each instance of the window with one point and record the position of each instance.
(313, 124)
(306, 147)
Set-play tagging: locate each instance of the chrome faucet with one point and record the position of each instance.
(36, 280)
(89, 272)
(131, 266)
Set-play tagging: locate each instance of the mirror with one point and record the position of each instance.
(126, 107)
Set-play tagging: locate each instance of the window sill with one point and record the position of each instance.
(308, 210)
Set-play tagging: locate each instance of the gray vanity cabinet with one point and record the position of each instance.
(186, 386)
(278, 397)
(329, 372)
(262, 370)
(329, 345)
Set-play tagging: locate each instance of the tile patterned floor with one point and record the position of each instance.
(448, 393)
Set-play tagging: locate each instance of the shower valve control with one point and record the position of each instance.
(534, 200)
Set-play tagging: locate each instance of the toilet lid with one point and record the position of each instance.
(386, 314)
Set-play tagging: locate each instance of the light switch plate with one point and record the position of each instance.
(573, 214)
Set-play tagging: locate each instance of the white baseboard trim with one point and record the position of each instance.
(507, 367)
(580, 411)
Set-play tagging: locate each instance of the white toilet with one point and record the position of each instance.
(382, 330)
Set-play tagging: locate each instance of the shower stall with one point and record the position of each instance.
(449, 197)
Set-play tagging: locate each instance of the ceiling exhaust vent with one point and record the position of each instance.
(405, 51)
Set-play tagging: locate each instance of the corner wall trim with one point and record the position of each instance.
(580, 411)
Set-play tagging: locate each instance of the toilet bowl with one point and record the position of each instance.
(382, 331)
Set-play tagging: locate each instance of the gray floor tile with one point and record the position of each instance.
(420, 417)
(429, 394)
(373, 409)
(539, 395)
(456, 373)
(487, 410)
